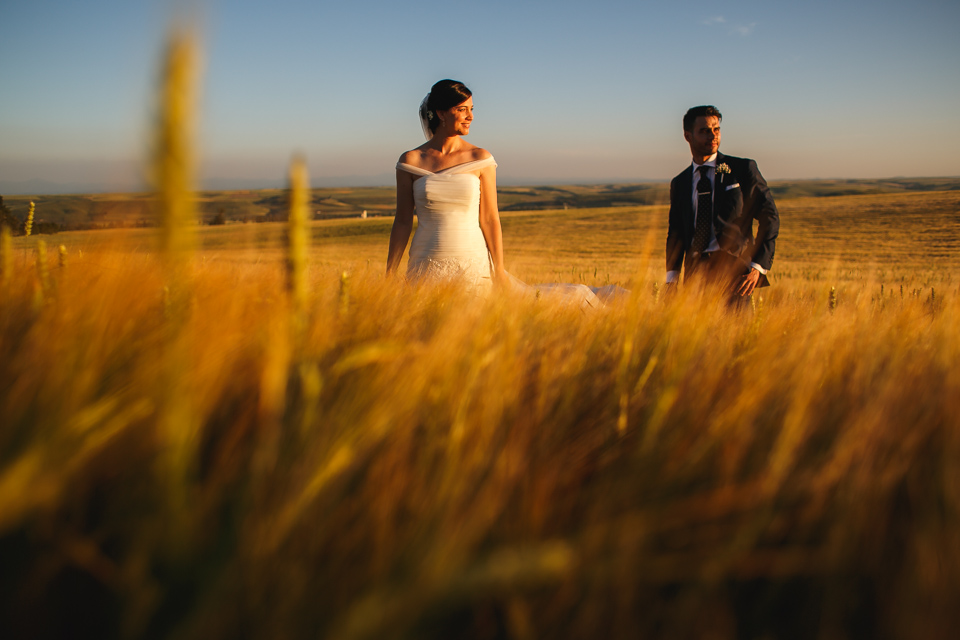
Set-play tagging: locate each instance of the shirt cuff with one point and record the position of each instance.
(759, 268)
(672, 276)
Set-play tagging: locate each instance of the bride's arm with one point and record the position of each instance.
(402, 222)
(490, 220)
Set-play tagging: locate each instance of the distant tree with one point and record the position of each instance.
(9, 220)
(220, 218)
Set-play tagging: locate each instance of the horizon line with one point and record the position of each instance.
(42, 187)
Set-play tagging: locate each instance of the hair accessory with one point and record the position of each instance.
(426, 115)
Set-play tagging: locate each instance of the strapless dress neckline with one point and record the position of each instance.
(463, 167)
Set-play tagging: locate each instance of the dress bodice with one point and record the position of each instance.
(449, 244)
(448, 241)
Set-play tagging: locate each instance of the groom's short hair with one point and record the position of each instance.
(695, 112)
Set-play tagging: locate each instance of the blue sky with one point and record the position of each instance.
(564, 91)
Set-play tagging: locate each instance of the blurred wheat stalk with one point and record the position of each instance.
(298, 232)
(28, 226)
(173, 170)
(6, 253)
(174, 153)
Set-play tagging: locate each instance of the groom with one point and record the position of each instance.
(713, 204)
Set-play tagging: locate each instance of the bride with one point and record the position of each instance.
(451, 185)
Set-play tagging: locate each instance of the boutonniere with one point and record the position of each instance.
(722, 168)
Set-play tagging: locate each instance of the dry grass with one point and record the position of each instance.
(425, 464)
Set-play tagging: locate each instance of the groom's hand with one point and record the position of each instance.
(748, 283)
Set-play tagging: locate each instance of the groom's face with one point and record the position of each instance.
(704, 139)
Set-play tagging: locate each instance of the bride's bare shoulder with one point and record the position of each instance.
(412, 157)
(478, 153)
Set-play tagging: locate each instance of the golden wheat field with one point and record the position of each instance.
(247, 431)
(195, 456)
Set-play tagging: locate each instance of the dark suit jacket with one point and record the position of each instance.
(739, 198)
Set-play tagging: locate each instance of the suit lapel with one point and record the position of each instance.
(727, 206)
(686, 190)
(719, 183)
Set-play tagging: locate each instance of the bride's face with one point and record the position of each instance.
(458, 118)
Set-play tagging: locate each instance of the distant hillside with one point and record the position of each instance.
(822, 188)
(102, 211)
(106, 211)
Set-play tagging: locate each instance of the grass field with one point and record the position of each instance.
(194, 457)
(839, 240)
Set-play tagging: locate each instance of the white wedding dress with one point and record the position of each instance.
(448, 243)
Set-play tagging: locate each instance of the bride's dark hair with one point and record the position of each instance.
(444, 95)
